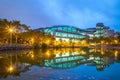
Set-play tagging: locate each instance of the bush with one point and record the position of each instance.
(36, 45)
(43, 46)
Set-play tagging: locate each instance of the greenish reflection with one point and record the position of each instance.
(15, 62)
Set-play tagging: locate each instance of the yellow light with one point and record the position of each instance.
(116, 53)
(10, 69)
(10, 30)
(48, 53)
(47, 41)
(32, 40)
(116, 41)
(106, 42)
(32, 56)
(102, 51)
(102, 42)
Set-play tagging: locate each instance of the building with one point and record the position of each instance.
(90, 32)
(110, 33)
(101, 30)
(64, 32)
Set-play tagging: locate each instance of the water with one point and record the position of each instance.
(61, 64)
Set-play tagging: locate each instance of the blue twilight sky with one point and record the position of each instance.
(79, 13)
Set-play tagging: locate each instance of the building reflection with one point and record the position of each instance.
(13, 63)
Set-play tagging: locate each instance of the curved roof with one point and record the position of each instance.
(57, 26)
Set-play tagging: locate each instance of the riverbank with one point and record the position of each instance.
(107, 47)
(14, 47)
(23, 47)
(111, 47)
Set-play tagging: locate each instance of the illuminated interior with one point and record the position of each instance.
(63, 32)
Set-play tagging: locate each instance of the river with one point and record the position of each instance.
(60, 64)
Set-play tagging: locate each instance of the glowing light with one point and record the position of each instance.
(116, 41)
(116, 53)
(48, 53)
(10, 30)
(102, 42)
(107, 43)
(32, 40)
(102, 51)
(47, 41)
(32, 56)
(11, 68)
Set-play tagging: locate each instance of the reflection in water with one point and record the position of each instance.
(15, 62)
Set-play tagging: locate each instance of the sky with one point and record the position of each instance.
(80, 13)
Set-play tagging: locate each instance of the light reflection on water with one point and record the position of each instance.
(13, 63)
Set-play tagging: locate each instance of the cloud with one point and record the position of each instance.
(79, 13)
(71, 14)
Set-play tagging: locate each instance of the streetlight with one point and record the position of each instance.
(10, 68)
(11, 31)
(32, 40)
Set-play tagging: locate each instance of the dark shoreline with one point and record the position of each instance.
(29, 47)
(15, 47)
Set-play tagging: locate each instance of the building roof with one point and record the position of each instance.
(59, 26)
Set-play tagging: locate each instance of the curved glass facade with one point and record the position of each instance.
(63, 32)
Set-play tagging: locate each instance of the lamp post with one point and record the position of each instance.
(11, 31)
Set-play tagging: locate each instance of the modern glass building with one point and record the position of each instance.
(64, 32)
(101, 30)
